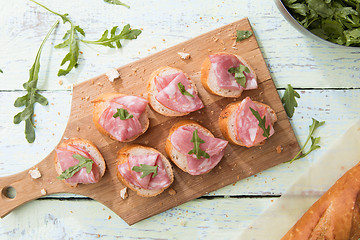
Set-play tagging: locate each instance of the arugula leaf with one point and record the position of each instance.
(32, 95)
(83, 162)
(289, 100)
(1, 71)
(262, 121)
(126, 33)
(116, 2)
(197, 150)
(183, 90)
(242, 35)
(314, 140)
(123, 114)
(239, 74)
(146, 170)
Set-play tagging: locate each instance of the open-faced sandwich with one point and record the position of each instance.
(121, 117)
(247, 123)
(227, 75)
(172, 93)
(193, 148)
(144, 170)
(79, 161)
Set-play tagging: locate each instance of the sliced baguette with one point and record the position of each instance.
(101, 103)
(209, 81)
(87, 146)
(227, 123)
(176, 157)
(135, 149)
(152, 91)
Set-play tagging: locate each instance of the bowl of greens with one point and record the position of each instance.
(333, 22)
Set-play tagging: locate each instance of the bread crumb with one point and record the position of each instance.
(209, 50)
(35, 173)
(109, 217)
(220, 167)
(43, 192)
(92, 82)
(123, 193)
(78, 129)
(163, 39)
(184, 55)
(279, 149)
(172, 192)
(87, 98)
(60, 82)
(215, 39)
(100, 84)
(89, 127)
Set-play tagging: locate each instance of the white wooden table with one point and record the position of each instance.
(327, 79)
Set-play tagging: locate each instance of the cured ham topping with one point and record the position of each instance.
(128, 128)
(66, 160)
(220, 64)
(247, 126)
(161, 180)
(171, 97)
(215, 147)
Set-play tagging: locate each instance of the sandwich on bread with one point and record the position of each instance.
(193, 148)
(79, 161)
(336, 215)
(172, 93)
(240, 126)
(144, 170)
(121, 117)
(227, 75)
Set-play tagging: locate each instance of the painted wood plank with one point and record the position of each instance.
(84, 219)
(292, 58)
(339, 108)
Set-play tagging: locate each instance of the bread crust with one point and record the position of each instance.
(81, 142)
(169, 147)
(152, 92)
(225, 121)
(205, 70)
(101, 103)
(123, 157)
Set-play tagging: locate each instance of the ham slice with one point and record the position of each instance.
(162, 81)
(215, 147)
(171, 97)
(66, 160)
(160, 181)
(221, 63)
(247, 126)
(128, 128)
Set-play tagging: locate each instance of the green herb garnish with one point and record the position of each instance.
(337, 21)
(314, 140)
(239, 74)
(116, 2)
(83, 162)
(123, 114)
(183, 90)
(197, 150)
(32, 95)
(1, 71)
(242, 35)
(146, 170)
(262, 121)
(289, 100)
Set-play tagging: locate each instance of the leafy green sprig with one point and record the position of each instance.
(196, 140)
(123, 114)
(183, 90)
(289, 100)
(239, 74)
(262, 121)
(32, 95)
(146, 170)
(314, 140)
(242, 35)
(117, 2)
(83, 162)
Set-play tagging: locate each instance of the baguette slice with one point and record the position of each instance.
(101, 103)
(227, 123)
(135, 149)
(176, 157)
(152, 91)
(209, 81)
(90, 148)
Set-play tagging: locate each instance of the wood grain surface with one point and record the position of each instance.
(238, 162)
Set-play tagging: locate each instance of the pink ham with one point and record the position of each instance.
(221, 64)
(161, 180)
(66, 160)
(215, 147)
(172, 98)
(247, 126)
(128, 128)
(162, 81)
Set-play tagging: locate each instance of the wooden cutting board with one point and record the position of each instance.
(238, 162)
